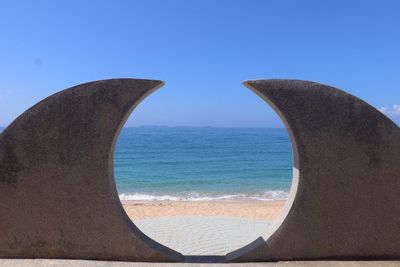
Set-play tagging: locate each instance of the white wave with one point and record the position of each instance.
(147, 197)
(269, 195)
(272, 195)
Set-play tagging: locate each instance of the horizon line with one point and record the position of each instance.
(200, 126)
(197, 126)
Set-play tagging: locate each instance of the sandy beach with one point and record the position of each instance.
(258, 210)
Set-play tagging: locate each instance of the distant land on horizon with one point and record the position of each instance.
(191, 126)
(194, 126)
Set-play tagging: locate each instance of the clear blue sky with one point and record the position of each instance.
(203, 50)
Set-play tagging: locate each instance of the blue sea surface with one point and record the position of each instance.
(195, 163)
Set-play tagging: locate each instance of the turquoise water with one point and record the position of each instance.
(189, 163)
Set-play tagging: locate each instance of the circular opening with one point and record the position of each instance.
(204, 191)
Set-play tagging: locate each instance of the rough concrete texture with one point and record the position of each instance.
(57, 190)
(58, 197)
(85, 263)
(345, 200)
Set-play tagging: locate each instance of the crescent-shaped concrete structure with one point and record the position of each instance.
(344, 202)
(57, 190)
(58, 197)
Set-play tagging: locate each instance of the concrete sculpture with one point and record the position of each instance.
(57, 190)
(58, 197)
(344, 203)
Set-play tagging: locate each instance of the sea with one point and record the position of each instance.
(203, 163)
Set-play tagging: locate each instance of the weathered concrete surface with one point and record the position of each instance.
(345, 198)
(85, 263)
(57, 190)
(58, 197)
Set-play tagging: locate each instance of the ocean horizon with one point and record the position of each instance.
(203, 163)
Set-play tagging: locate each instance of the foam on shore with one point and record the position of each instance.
(270, 195)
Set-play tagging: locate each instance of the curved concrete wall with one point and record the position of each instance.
(347, 160)
(58, 197)
(57, 190)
